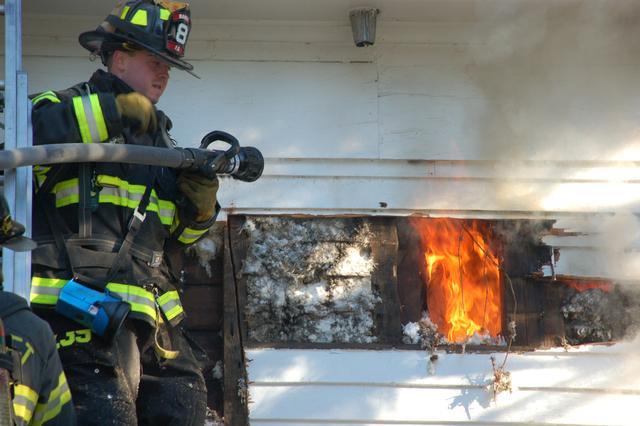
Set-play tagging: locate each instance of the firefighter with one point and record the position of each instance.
(105, 231)
(41, 393)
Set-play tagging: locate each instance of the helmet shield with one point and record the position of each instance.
(160, 27)
(11, 231)
(178, 31)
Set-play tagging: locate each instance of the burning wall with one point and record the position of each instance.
(447, 281)
(464, 291)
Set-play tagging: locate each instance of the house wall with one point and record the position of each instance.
(530, 115)
(525, 115)
(340, 387)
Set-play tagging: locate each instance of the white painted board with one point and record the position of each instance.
(587, 386)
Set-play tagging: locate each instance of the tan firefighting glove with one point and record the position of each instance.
(201, 191)
(139, 110)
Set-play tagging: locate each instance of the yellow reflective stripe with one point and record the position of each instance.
(43, 299)
(168, 297)
(175, 224)
(40, 179)
(90, 118)
(67, 192)
(27, 353)
(170, 304)
(99, 117)
(140, 18)
(165, 219)
(58, 397)
(145, 303)
(40, 175)
(125, 10)
(49, 282)
(107, 180)
(45, 291)
(41, 170)
(24, 402)
(48, 95)
(163, 208)
(116, 191)
(164, 14)
(190, 235)
(174, 312)
(83, 125)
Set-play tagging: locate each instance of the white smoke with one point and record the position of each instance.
(561, 83)
(561, 80)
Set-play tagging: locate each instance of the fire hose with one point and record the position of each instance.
(242, 163)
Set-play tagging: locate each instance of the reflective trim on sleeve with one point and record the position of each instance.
(48, 95)
(25, 400)
(164, 14)
(176, 223)
(170, 304)
(50, 408)
(141, 300)
(67, 192)
(45, 291)
(190, 235)
(90, 118)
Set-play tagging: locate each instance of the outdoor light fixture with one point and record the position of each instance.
(363, 26)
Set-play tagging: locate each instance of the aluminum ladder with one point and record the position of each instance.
(16, 267)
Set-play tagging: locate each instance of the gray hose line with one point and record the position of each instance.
(103, 153)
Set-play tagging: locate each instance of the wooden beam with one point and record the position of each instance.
(235, 378)
(239, 245)
(384, 251)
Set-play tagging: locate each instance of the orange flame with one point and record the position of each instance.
(463, 289)
(584, 284)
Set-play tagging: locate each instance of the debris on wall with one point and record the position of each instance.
(423, 332)
(595, 315)
(208, 248)
(309, 280)
(426, 334)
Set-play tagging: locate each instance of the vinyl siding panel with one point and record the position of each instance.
(302, 387)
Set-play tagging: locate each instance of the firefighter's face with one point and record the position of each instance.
(143, 71)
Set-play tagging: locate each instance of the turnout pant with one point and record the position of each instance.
(124, 382)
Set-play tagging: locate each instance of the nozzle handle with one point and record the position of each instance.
(218, 162)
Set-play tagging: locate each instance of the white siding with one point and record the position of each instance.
(455, 116)
(590, 386)
(493, 118)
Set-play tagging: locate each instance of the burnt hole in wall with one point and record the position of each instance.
(466, 278)
(533, 310)
(309, 280)
(417, 281)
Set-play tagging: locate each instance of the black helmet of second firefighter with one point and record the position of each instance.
(158, 26)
